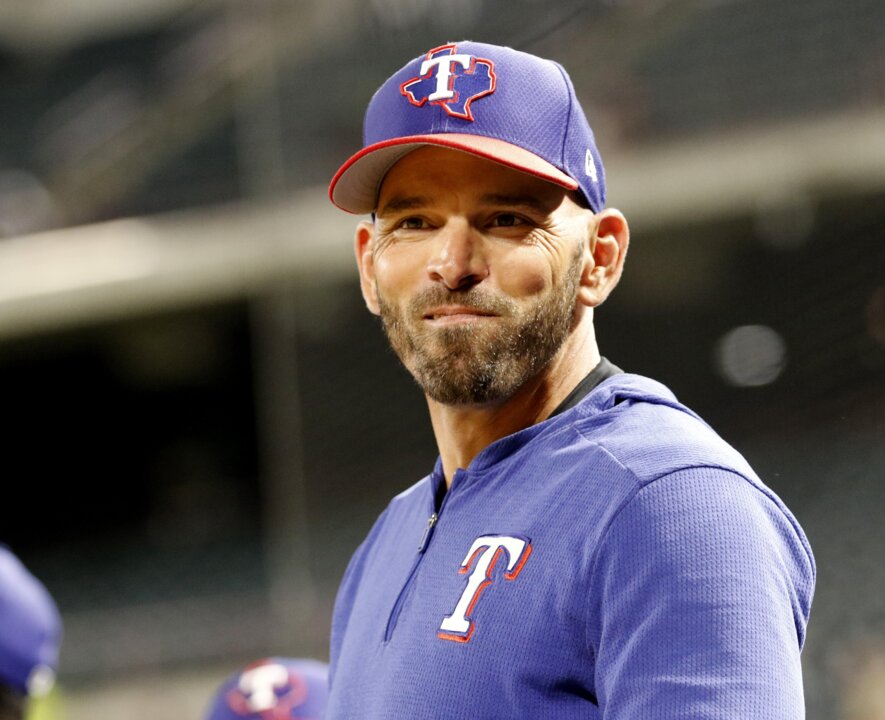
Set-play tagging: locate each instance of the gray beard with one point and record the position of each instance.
(474, 365)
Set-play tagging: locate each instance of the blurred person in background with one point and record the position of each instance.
(273, 689)
(586, 546)
(30, 637)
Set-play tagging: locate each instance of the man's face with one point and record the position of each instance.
(475, 269)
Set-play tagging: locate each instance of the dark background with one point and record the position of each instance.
(188, 475)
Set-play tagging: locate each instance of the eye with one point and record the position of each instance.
(507, 220)
(411, 223)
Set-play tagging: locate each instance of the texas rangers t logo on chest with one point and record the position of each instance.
(482, 558)
(451, 80)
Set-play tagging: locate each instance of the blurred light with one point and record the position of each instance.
(52, 264)
(751, 355)
(41, 681)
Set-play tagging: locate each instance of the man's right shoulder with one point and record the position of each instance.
(405, 510)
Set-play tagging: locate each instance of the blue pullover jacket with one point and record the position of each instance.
(617, 561)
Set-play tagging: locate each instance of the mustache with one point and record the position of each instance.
(474, 298)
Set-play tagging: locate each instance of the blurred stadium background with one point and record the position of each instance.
(200, 421)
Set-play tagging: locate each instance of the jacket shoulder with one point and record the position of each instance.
(645, 429)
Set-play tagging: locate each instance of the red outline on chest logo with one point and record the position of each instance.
(482, 557)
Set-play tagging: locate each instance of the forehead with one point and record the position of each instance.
(439, 172)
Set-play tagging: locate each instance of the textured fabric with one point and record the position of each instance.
(525, 105)
(648, 574)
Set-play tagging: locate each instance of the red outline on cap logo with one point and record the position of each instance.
(453, 98)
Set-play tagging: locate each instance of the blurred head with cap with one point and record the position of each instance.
(30, 636)
(273, 689)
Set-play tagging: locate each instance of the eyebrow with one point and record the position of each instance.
(398, 204)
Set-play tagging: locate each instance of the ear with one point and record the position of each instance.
(362, 243)
(609, 237)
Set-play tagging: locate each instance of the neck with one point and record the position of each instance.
(463, 431)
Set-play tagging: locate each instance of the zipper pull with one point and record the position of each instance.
(431, 521)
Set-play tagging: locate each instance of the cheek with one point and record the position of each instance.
(396, 271)
(524, 274)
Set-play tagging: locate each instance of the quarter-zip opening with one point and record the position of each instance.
(431, 524)
(428, 531)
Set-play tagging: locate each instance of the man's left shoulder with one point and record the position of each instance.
(641, 424)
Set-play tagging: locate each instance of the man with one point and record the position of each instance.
(30, 636)
(273, 689)
(585, 546)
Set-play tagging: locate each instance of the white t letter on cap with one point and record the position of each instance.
(590, 166)
(259, 684)
(443, 73)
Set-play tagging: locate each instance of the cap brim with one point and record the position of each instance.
(356, 184)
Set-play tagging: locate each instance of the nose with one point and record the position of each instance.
(458, 260)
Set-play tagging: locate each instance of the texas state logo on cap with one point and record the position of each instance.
(273, 689)
(495, 102)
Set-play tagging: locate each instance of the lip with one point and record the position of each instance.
(454, 314)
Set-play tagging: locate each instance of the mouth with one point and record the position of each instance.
(449, 314)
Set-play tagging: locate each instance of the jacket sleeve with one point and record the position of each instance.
(699, 599)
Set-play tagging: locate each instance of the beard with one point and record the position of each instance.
(485, 361)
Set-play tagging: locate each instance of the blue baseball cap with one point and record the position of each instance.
(273, 689)
(30, 629)
(494, 102)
